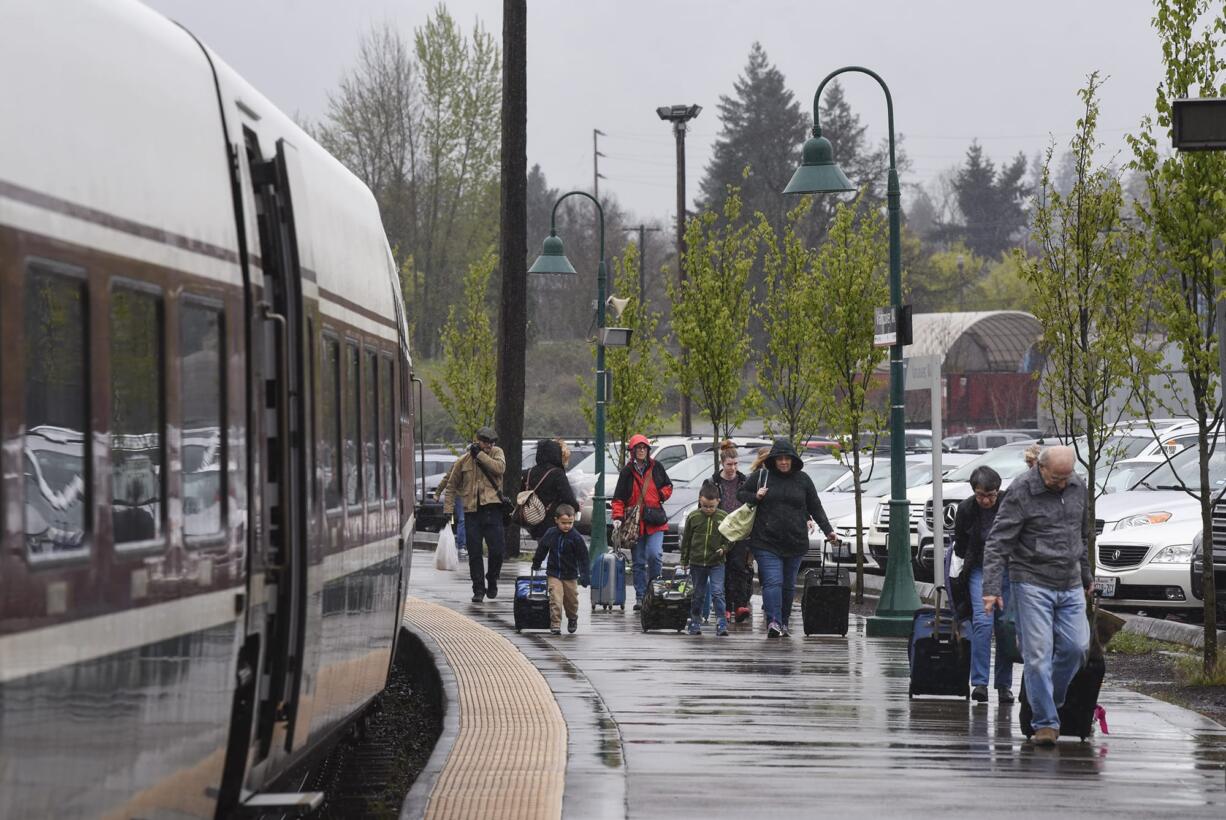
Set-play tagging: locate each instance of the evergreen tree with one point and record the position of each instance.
(991, 201)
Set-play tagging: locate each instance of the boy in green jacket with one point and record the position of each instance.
(703, 548)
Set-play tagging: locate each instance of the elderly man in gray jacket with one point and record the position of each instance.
(1040, 534)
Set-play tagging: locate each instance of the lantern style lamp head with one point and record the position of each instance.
(817, 173)
(552, 258)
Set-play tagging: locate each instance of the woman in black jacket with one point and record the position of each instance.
(972, 524)
(787, 510)
(548, 478)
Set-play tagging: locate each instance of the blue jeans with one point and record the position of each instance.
(778, 576)
(708, 585)
(1055, 638)
(981, 635)
(459, 524)
(485, 523)
(648, 554)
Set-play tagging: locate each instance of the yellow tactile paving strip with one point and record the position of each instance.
(509, 757)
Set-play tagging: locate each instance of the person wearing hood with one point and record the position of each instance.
(643, 479)
(548, 479)
(787, 511)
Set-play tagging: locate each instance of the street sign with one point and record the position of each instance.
(1199, 124)
(885, 327)
(920, 372)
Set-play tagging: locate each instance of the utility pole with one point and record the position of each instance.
(642, 229)
(596, 155)
(679, 115)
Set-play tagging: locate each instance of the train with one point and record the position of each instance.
(206, 428)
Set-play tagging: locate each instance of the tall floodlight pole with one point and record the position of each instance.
(679, 115)
(819, 174)
(553, 260)
(642, 231)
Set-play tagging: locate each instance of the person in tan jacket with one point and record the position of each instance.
(474, 479)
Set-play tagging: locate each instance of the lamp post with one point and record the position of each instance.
(819, 174)
(553, 260)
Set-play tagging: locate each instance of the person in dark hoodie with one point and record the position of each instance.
(787, 510)
(548, 478)
(739, 562)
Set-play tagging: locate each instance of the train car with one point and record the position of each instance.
(206, 427)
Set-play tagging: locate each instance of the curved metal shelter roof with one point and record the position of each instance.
(997, 341)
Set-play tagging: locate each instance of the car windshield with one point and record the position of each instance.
(825, 473)
(1183, 471)
(588, 465)
(1008, 461)
(877, 482)
(692, 470)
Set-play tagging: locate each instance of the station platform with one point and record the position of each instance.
(612, 722)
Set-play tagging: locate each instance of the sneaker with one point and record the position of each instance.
(787, 633)
(463, 556)
(980, 694)
(721, 630)
(572, 624)
(742, 614)
(1004, 695)
(478, 597)
(491, 591)
(775, 630)
(555, 630)
(1046, 736)
(694, 628)
(637, 607)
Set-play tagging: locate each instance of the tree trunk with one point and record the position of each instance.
(513, 249)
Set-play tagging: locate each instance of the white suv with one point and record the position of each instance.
(1148, 567)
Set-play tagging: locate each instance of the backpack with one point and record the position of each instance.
(529, 509)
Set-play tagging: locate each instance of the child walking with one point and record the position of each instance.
(565, 556)
(703, 549)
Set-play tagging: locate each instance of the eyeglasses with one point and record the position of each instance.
(986, 496)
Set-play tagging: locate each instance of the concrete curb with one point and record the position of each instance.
(425, 650)
(1169, 631)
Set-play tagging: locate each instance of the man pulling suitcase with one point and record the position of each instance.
(1040, 533)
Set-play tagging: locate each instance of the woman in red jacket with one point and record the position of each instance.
(644, 480)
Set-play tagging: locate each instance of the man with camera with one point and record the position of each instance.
(475, 480)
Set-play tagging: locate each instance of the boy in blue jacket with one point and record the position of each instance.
(565, 556)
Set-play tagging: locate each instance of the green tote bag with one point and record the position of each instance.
(737, 524)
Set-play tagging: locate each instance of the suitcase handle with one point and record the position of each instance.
(939, 591)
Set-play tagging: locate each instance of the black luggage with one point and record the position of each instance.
(940, 656)
(531, 606)
(668, 603)
(825, 600)
(1081, 701)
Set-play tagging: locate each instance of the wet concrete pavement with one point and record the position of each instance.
(668, 725)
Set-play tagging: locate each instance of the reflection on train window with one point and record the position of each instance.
(354, 395)
(56, 453)
(330, 438)
(387, 413)
(203, 402)
(136, 415)
(370, 428)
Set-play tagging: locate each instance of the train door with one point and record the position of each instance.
(280, 339)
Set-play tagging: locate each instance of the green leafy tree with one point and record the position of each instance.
(466, 387)
(789, 381)
(851, 283)
(636, 370)
(1184, 213)
(1083, 286)
(711, 310)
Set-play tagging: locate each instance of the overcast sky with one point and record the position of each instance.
(1004, 73)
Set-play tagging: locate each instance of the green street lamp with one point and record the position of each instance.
(819, 174)
(553, 260)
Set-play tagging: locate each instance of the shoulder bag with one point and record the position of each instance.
(529, 509)
(508, 506)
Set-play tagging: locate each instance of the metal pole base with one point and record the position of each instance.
(899, 600)
(888, 626)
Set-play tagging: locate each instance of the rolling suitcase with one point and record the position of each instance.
(531, 606)
(825, 600)
(668, 603)
(940, 656)
(1079, 711)
(609, 580)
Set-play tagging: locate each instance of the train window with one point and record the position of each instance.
(55, 460)
(201, 392)
(137, 454)
(330, 443)
(370, 428)
(387, 412)
(353, 393)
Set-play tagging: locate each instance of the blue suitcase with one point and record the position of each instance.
(609, 580)
(531, 608)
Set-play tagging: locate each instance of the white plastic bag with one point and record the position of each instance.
(955, 566)
(445, 555)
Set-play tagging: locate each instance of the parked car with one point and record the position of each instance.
(1148, 568)
(1219, 564)
(986, 440)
